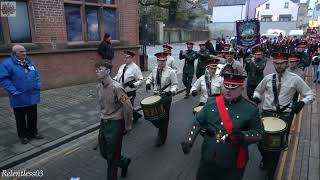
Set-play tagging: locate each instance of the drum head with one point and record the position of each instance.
(151, 100)
(273, 124)
(197, 109)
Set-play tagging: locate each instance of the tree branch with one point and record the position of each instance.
(154, 3)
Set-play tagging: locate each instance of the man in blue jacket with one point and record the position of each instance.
(19, 77)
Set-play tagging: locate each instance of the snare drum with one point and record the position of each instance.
(153, 110)
(275, 138)
(197, 109)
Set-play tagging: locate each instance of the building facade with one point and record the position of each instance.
(277, 10)
(62, 36)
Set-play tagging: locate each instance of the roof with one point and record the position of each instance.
(229, 2)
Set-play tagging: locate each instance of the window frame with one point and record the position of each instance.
(286, 5)
(6, 29)
(264, 17)
(267, 6)
(84, 25)
(285, 16)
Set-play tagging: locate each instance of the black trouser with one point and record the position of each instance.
(26, 121)
(187, 81)
(250, 90)
(270, 158)
(163, 128)
(132, 96)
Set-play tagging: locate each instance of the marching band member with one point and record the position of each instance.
(165, 83)
(255, 67)
(236, 65)
(116, 120)
(231, 123)
(278, 90)
(208, 84)
(188, 69)
(203, 55)
(130, 76)
(170, 60)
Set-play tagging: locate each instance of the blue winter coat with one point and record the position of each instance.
(23, 86)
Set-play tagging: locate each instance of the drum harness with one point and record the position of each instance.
(276, 96)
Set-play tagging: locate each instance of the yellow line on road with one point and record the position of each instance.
(71, 151)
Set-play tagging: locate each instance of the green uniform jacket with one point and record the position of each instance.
(305, 62)
(203, 56)
(190, 56)
(245, 117)
(255, 71)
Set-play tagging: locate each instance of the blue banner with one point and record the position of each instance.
(248, 33)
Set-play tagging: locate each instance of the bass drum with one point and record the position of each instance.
(152, 109)
(275, 138)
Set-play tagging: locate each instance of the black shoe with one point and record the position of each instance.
(124, 169)
(186, 97)
(314, 81)
(159, 142)
(38, 136)
(24, 140)
(261, 165)
(318, 82)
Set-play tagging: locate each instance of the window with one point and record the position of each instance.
(267, 6)
(92, 24)
(73, 20)
(110, 22)
(1, 33)
(19, 26)
(286, 5)
(285, 18)
(266, 18)
(88, 20)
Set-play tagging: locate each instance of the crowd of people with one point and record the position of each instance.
(228, 121)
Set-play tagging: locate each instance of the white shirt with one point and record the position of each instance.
(200, 85)
(167, 76)
(290, 84)
(170, 61)
(133, 72)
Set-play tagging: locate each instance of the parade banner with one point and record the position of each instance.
(248, 33)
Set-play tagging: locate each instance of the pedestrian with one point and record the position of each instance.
(165, 84)
(278, 90)
(208, 84)
(294, 59)
(230, 123)
(130, 77)
(188, 69)
(105, 49)
(203, 55)
(116, 120)
(306, 59)
(20, 78)
(254, 68)
(315, 63)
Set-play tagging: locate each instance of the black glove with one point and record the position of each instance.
(256, 100)
(239, 136)
(296, 108)
(130, 85)
(148, 86)
(194, 93)
(186, 147)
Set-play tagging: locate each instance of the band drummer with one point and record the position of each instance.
(130, 77)
(165, 83)
(278, 90)
(208, 84)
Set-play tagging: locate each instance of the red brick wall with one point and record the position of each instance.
(49, 21)
(129, 21)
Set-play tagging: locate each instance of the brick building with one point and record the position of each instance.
(61, 36)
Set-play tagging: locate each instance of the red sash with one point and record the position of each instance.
(225, 118)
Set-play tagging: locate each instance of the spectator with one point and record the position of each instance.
(105, 49)
(19, 77)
